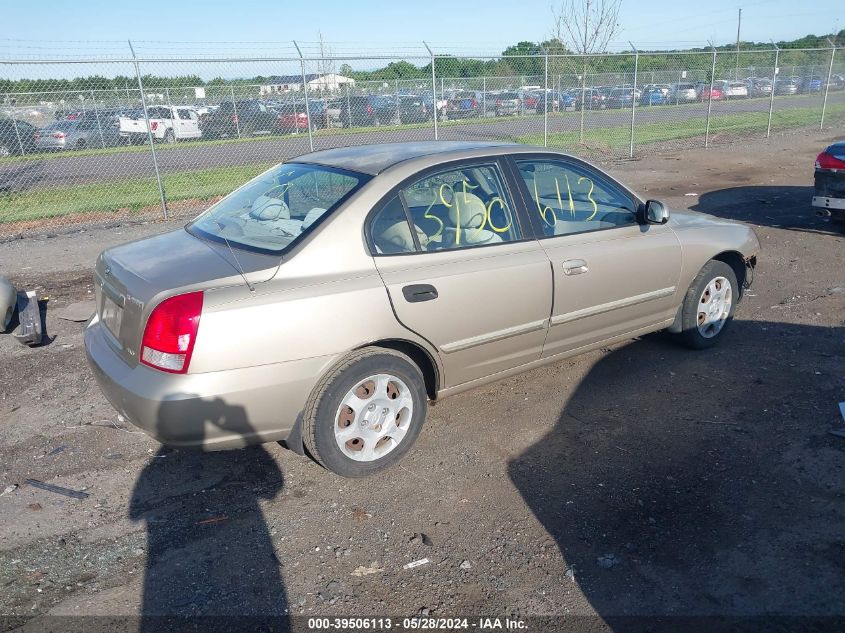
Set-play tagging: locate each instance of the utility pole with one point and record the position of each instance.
(738, 26)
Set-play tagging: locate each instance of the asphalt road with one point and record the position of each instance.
(71, 170)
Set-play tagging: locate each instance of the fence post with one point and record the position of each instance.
(149, 132)
(173, 115)
(348, 109)
(484, 96)
(827, 85)
(546, 100)
(634, 98)
(398, 110)
(433, 90)
(583, 98)
(305, 88)
(97, 116)
(235, 111)
(15, 125)
(774, 87)
(710, 97)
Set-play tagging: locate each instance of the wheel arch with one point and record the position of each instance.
(732, 258)
(421, 357)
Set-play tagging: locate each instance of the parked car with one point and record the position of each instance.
(68, 115)
(530, 100)
(682, 93)
(317, 113)
(17, 137)
(837, 82)
(167, 124)
(716, 94)
(414, 109)
(759, 87)
(664, 88)
(557, 102)
(355, 111)
(291, 118)
(786, 87)
(733, 89)
(620, 98)
(593, 98)
(462, 105)
(812, 83)
(653, 96)
(238, 329)
(247, 117)
(81, 133)
(507, 103)
(829, 194)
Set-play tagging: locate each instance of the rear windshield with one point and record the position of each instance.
(271, 211)
(508, 95)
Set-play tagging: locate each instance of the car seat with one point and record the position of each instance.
(467, 216)
(398, 239)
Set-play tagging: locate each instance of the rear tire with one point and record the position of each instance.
(709, 305)
(365, 413)
(169, 137)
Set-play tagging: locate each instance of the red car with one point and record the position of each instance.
(291, 119)
(707, 95)
(530, 100)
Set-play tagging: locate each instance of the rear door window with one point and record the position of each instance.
(462, 207)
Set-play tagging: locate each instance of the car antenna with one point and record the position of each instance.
(235, 257)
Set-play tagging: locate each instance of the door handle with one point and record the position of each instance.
(575, 267)
(419, 292)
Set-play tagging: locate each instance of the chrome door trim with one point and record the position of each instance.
(612, 305)
(492, 337)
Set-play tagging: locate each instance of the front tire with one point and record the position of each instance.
(366, 413)
(709, 305)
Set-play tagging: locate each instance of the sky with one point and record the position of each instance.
(102, 27)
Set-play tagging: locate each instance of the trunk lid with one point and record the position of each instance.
(131, 279)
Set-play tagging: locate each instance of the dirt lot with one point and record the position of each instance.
(643, 479)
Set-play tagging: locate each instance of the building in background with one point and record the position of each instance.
(330, 82)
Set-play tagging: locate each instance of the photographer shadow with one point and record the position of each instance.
(674, 485)
(211, 564)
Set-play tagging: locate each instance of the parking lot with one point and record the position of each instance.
(639, 480)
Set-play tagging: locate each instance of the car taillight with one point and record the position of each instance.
(154, 126)
(171, 332)
(58, 135)
(235, 119)
(829, 161)
(369, 109)
(474, 103)
(37, 137)
(498, 102)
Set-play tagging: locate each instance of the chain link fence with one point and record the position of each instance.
(85, 141)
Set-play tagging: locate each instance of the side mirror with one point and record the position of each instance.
(653, 212)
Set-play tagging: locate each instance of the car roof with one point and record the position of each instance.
(374, 159)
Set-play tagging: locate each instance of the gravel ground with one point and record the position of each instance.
(641, 479)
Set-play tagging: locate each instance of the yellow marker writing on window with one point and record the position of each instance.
(590, 197)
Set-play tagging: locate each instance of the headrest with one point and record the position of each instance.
(469, 209)
(267, 208)
(399, 235)
(312, 216)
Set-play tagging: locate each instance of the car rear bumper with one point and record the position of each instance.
(829, 203)
(213, 410)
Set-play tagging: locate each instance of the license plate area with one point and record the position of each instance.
(112, 315)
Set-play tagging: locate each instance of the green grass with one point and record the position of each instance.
(125, 196)
(735, 124)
